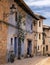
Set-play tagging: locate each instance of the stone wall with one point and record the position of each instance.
(3, 31)
(3, 43)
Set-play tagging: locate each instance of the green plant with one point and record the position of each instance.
(20, 35)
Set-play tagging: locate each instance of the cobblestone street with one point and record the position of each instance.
(39, 60)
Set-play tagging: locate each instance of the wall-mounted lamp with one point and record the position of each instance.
(12, 10)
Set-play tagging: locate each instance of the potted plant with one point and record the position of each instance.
(12, 56)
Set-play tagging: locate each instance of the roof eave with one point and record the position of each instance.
(23, 5)
(42, 17)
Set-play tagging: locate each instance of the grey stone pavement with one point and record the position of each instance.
(36, 60)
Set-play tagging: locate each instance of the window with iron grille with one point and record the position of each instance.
(11, 41)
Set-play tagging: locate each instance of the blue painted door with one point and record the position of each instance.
(16, 46)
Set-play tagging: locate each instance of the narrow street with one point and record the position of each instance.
(39, 60)
(45, 61)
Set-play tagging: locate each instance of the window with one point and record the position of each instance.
(11, 41)
(39, 36)
(16, 16)
(34, 23)
(35, 36)
(38, 47)
(46, 47)
(39, 24)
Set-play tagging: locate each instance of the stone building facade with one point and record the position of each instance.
(8, 27)
(46, 40)
(38, 36)
(8, 30)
